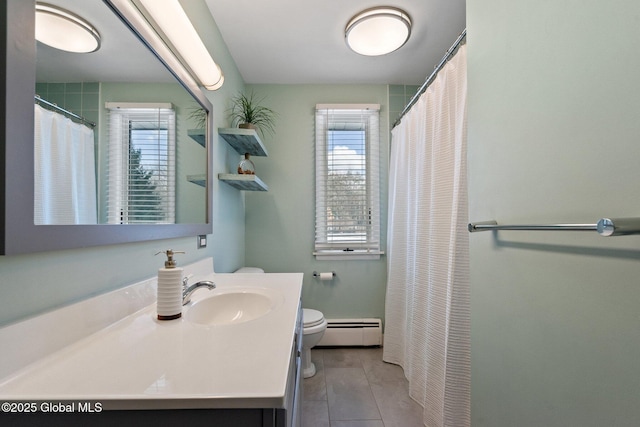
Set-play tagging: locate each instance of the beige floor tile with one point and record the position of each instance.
(353, 387)
(396, 407)
(379, 372)
(317, 357)
(342, 358)
(369, 353)
(315, 414)
(314, 388)
(360, 423)
(349, 395)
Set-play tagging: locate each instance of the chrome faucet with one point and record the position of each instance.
(187, 290)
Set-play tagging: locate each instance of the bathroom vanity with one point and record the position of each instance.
(200, 369)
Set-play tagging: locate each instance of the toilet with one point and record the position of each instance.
(314, 325)
(249, 270)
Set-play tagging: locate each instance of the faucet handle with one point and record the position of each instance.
(185, 280)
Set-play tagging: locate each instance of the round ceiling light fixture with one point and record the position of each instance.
(378, 31)
(61, 29)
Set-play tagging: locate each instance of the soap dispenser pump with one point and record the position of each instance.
(169, 288)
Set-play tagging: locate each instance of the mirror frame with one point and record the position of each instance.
(18, 233)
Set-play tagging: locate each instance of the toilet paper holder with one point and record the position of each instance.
(316, 274)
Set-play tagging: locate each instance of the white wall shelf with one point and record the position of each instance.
(244, 141)
(243, 182)
(198, 136)
(200, 180)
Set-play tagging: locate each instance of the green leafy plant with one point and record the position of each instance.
(247, 109)
(198, 115)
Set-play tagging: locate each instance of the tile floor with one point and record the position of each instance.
(353, 387)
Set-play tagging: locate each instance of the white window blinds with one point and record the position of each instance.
(141, 163)
(347, 181)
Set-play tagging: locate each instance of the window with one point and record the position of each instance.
(141, 164)
(347, 182)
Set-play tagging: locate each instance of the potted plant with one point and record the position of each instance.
(246, 112)
(198, 116)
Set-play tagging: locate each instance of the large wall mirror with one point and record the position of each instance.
(137, 124)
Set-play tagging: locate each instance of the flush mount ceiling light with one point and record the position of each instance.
(378, 31)
(61, 29)
(176, 26)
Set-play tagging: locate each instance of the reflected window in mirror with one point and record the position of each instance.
(85, 83)
(141, 164)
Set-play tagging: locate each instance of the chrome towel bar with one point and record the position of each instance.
(604, 227)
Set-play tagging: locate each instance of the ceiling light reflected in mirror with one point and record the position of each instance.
(61, 29)
(176, 26)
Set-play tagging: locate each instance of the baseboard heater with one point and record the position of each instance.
(352, 332)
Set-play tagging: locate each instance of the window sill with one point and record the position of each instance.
(350, 255)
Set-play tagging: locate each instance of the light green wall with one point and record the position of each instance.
(32, 284)
(280, 223)
(399, 97)
(553, 100)
(553, 137)
(81, 97)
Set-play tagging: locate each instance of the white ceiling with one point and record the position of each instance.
(272, 41)
(298, 41)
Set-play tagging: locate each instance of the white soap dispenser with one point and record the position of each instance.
(169, 288)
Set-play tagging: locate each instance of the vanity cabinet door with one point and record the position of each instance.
(296, 416)
(291, 415)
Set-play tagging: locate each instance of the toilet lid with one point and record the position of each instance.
(249, 270)
(311, 317)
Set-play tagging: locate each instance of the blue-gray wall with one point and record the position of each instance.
(553, 137)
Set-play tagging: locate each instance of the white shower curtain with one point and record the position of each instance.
(64, 178)
(427, 313)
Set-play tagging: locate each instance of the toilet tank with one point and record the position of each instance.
(249, 270)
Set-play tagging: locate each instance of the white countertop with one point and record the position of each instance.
(142, 363)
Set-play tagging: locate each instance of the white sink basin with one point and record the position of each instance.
(234, 306)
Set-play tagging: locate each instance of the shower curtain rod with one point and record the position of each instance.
(63, 111)
(432, 76)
